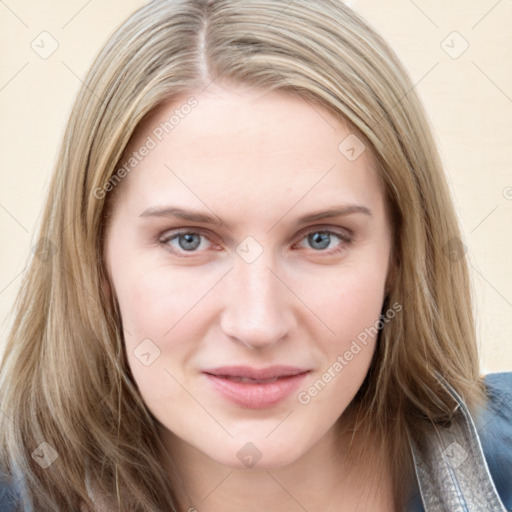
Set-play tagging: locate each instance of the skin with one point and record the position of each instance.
(258, 161)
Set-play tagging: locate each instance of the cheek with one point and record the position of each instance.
(362, 299)
(164, 318)
(158, 332)
(352, 312)
(348, 300)
(150, 305)
(153, 301)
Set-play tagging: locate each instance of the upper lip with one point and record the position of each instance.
(269, 372)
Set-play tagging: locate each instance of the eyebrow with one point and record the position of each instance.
(194, 216)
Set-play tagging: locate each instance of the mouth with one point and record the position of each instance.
(255, 388)
(248, 379)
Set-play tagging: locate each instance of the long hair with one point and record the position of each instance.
(66, 389)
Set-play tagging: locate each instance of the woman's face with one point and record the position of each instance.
(248, 249)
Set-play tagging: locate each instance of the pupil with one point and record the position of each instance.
(322, 239)
(189, 241)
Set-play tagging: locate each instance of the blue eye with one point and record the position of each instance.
(187, 241)
(320, 239)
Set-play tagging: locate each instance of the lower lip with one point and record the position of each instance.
(258, 395)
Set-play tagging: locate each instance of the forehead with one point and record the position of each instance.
(249, 142)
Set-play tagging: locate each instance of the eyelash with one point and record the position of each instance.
(345, 238)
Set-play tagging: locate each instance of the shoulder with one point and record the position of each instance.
(495, 421)
(9, 499)
(494, 426)
(499, 384)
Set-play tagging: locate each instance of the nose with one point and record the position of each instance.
(258, 310)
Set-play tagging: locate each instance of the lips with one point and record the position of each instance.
(255, 374)
(255, 388)
(248, 379)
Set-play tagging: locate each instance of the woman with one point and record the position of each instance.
(248, 291)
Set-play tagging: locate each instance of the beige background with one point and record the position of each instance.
(468, 95)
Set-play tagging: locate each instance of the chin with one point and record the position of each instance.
(259, 454)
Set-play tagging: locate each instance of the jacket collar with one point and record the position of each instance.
(450, 466)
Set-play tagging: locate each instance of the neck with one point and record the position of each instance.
(328, 477)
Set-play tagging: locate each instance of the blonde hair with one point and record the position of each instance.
(65, 378)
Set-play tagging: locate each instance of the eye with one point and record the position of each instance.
(185, 241)
(326, 241)
(321, 239)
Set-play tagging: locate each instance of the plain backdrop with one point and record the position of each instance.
(459, 56)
